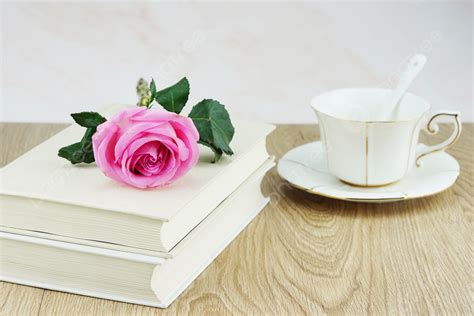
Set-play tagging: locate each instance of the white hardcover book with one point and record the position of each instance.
(129, 277)
(43, 195)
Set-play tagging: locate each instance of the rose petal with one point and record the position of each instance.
(137, 130)
(103, 146)
(146, 148)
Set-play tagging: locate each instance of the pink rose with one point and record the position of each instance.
(146, 148)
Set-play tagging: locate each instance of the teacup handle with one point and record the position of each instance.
(432, 128)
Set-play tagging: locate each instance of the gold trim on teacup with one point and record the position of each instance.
(366, 154)
(324, 141)
(415, 129)
(368, 185)
(430, 130)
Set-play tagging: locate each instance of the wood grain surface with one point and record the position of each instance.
(306, 254)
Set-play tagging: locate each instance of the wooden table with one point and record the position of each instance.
(306, 254)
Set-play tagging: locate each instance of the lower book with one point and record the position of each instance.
(131, 277)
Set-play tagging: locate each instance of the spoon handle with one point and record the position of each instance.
(414, 66)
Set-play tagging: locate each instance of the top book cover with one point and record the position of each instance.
(41, 175)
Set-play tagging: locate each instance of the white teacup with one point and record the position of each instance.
(364, 151)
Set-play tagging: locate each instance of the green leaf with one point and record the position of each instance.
(153, 88)
(88, 119)
(83, 150)
(86, 143)
(73, 153)
(214, 126)
(174, 98)
(217, 152)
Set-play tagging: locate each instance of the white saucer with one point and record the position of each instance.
(305, 167)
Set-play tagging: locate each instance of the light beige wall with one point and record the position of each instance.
(265, 58)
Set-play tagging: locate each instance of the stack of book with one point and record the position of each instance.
(70, 228)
